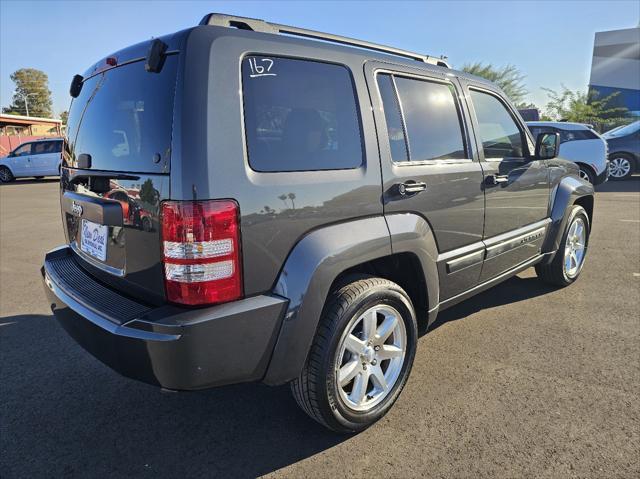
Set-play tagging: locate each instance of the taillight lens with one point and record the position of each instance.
(201, 251)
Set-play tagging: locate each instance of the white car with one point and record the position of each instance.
(34, 158)
(578, 143)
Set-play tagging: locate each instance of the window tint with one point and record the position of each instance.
(299, 115)
(432, 119)
(123, 117)
(23, 150)
(573, 135)
(500, 135)
(57, 147)
(395, 129)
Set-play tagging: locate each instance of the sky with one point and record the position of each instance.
(551, 42)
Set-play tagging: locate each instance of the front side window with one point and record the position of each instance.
(23, 150)
(501, 137)
(299, 115)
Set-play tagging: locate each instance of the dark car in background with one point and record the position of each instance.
(624, 151)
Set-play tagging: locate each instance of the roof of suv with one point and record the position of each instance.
(250, 26)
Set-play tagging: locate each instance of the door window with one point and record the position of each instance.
(501, 137)
(392, 115)
(432, 119)
(23, 150)
(299, 115)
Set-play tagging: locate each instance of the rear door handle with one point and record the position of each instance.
(497, 179)
(411, 188)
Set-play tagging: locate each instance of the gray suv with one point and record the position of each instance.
(307, 204)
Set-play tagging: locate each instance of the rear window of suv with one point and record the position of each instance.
(300, 115)
(123, 118)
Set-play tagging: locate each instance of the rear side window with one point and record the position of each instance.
(573, 135)
(500, 135)
(43, 147)
(392, 114)
(299, 115)
(432, 119)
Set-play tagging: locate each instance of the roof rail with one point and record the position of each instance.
(257, 25)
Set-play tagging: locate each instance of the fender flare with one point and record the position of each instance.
(314, 264)
(564, 196)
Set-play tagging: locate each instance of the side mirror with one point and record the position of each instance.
(547, 146)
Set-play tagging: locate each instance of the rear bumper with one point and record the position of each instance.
(173, 347)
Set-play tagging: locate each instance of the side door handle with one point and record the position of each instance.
(497, 179)
(411, 188)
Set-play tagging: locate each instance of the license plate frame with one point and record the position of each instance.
(93, 239)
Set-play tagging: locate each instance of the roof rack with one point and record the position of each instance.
(257, 25)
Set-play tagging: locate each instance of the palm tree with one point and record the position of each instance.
(292, 196)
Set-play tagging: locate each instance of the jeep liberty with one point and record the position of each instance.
(247, 201)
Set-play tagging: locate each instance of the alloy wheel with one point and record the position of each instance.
(574, 248)
(370, 357)
(619, 167)
(584, 175)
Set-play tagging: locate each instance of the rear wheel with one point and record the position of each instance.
(5, 175)
(568, 261)
(620, 167)
(361, 356)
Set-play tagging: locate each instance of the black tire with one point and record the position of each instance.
(621, 156)
(587, 173)
(315, 390)
(5, 175)
(555, 272)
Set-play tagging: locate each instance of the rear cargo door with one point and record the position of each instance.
(117, 161)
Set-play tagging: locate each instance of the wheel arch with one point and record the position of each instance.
(325, 258)
(569, 191)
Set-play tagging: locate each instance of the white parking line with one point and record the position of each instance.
(630, 221)
(636, 275)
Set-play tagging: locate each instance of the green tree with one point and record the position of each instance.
(31, 95)
(64, 116)
(148, 194)
(585, 107)
(508, 77)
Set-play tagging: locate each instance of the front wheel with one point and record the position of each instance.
(361, 356)
(587, 174)
(5, 175)
(568, 261)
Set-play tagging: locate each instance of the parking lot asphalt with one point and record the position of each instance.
(522, 381)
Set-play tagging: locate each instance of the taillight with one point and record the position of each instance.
(201, 251)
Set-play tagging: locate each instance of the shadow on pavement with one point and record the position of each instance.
(511, 291)
(64, 413)
(32, 181)
(630, 185)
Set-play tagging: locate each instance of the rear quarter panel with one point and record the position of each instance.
(277, 209)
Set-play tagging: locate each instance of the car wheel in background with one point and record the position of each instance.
(361, 356)
(587, 174)
(5, 175)
(620, 167)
